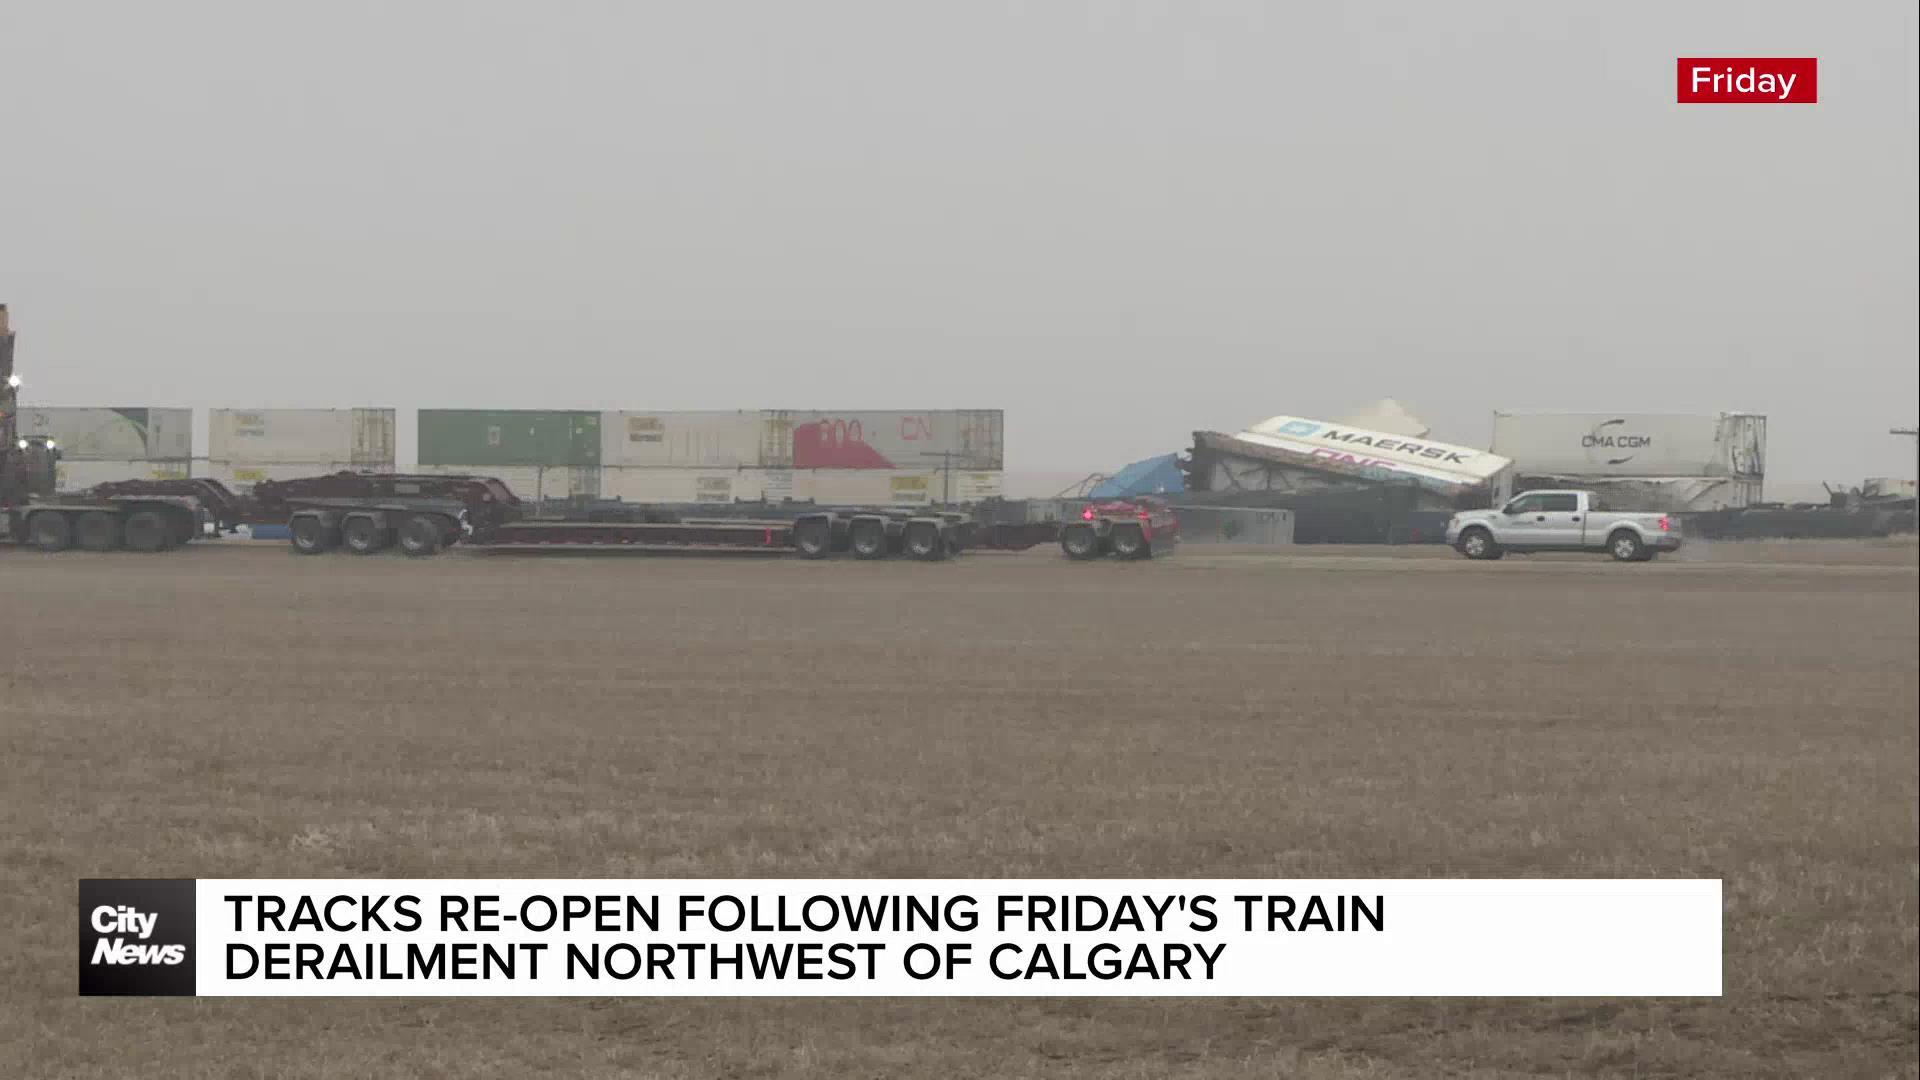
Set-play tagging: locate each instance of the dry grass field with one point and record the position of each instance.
(1747, 712)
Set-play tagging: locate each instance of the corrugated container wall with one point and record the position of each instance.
(697, 440)
(508, 437)
(882, 440)
(362, 437)
(80, 474)
(536, 483)
(129, 434)
(1632, 444)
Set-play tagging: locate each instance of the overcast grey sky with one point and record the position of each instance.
(1118, 221)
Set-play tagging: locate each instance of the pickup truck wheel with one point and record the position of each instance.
(1479, 544)
(1626, 547)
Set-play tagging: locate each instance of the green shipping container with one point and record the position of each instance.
(509, 437)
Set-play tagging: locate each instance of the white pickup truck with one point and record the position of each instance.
(1561, 521)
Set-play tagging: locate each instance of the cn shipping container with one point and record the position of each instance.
(129, 434)
(957, 438)
(242, 475)
(486, 438)
(638, 484)
(1632, 444)
(76, 476)
(701, 440)
(361, 437)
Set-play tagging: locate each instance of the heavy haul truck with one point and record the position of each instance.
(420, 515)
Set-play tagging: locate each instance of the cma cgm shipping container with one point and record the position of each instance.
(82, 474)
(687, 440)
(479, 439)
(130, 434)
(639, 484)
(883, 440)
(360, 437)
(1632, 444)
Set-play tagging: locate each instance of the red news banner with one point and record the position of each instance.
(1747, 80)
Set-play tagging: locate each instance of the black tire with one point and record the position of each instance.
(1478, 543)
(1624, 546)
(363, 535)
(146, 530)
(310, 535)
(420, 535)
(868, 540)
(97, 530)
(813, 539)
(1129, 542)
(1080, 542)
(925, 543)
(50, 530)
(182, 527)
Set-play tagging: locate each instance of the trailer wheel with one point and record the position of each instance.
(1129, 542)
(814, 539)
(49, 530)
(924, 542)
(1626, 547)
(182, 527)
(146, 531)
(363, 535)
(1080, 542)
(868, 540)
(420, 535)
(98, 530)
(310, 535)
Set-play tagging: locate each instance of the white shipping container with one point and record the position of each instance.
(866, 439)
(242, 475)
(293, 436)
(533, 483)
(1632, 444)
(1655, 494)
(671, 485)
(77, 476)
(1440, 465)
(708, 440)
(127, 434)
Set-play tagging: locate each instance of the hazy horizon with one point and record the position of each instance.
(1119, 226)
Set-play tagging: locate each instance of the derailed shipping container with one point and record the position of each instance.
(261, 437)
(1632, 444)
(1298, 454)
(958, 438)
(113, 434)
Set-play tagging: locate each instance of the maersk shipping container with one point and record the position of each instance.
(109, 434)
(361, 437)
(971, 439)
(696, 440)
(79, 475)
(485, 438)
(1632, 444)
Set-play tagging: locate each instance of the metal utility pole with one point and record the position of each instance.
(946, 475)
(1914, 434)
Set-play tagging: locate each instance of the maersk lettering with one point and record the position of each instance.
(1395, 446)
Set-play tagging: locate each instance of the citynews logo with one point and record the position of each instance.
(136, 937)
(1722, 80)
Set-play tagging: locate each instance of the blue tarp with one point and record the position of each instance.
(1154, 476)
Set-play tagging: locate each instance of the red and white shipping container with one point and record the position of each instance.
(970, 439)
